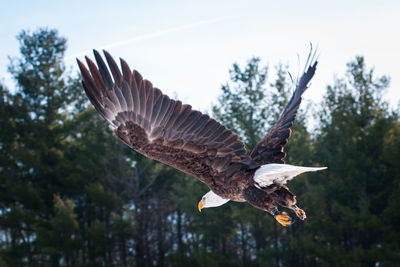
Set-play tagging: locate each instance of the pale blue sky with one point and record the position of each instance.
(187, 47)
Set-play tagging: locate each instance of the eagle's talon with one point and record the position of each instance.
(284, 219)
(301, 214)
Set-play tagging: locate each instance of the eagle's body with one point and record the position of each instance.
(168, 131)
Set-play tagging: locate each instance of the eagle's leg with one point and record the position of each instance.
(282, 217)
(285, 198)
(299, 212)
(262, 198)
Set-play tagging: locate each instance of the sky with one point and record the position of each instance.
(186, 48)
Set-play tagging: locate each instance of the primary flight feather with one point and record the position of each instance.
(171, 132)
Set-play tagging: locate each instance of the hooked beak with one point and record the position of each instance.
(201, 205)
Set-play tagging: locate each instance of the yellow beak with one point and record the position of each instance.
(201, 205)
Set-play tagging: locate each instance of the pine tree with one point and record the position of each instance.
(35, 138)
(350, 198)
(249, 107)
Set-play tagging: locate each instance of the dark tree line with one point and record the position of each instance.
(72, 195)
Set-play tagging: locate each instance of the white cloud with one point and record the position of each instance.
(154, 35)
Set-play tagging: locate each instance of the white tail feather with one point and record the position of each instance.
(280, 173)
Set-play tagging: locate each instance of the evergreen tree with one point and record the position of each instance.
(242, 106)
(71, 194)
(249, 107)
(349, 200)
(56, 165)
(35, 135)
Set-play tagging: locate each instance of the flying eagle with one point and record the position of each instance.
(171, 132)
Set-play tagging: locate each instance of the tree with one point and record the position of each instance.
(71, 194)
(46, 192)
(34, 138)
(242, 106)
(350, 199)
(248, 106)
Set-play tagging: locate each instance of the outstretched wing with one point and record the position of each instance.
(270, 148)
(159, 127)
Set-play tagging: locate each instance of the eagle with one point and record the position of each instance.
(173, 133)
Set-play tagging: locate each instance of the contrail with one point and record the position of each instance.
(153, 35)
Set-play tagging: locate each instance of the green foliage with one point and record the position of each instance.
(71, 194)
(355, 131)
(34, 135)
(242, 106)
(249, 106)
(58, 236)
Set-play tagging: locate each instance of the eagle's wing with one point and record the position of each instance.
(159, 127)
(270, 148)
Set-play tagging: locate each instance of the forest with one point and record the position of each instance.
(72, 194)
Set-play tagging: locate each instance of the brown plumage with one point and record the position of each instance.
(168, 131)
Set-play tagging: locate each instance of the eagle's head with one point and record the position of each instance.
(210, 200)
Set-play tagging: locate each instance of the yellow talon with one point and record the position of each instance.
(301, 214)
(284, 219)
